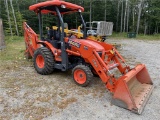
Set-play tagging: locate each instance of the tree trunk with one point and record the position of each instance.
(122, 16)
(139, 15)
(145, 28)
(9, 20)
(133, 19)
(149, 29)
(105, 12)
(2, 44)
(156, 27)
(15, 21)
(125, 14)
(90, 15)
(128, 11)
(0, 9)
(117, 17)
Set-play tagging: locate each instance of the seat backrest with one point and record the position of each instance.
(50, 34)
(58, 35)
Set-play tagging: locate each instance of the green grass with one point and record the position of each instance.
(149, 37)
(138, 37)
(15, 46)
(14, 49)
(118, 35)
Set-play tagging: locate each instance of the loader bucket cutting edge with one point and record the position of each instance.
(133, 90)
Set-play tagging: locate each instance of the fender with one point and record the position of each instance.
(49, 46)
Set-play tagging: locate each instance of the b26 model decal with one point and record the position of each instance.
(76, 44)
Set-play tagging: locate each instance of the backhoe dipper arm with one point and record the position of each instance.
(31, 39)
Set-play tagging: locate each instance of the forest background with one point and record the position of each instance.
(140, 16)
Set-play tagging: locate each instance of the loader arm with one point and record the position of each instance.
(134, 86)
(103, 66)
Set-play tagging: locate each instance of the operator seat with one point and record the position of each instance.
(50, 34)
(54, 38)
(51, 37)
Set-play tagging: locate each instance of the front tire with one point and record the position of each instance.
(43, 61)
(82, 75)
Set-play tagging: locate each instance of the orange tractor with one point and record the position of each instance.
(86, 57)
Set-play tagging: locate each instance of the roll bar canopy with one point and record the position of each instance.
(47, 7)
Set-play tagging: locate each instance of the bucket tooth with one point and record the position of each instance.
(133, 90)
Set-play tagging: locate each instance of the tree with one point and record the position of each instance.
(15, 21)
(117, 21)
(125, 15)
(128, 16)
(153, 16)
(139, 14)
(122, 17)
(9, 20)
(2, 44)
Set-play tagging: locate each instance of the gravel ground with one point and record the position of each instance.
(24, 94)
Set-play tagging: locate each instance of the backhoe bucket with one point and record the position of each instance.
(133, 89)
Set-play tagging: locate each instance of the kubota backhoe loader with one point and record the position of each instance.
(85, 57)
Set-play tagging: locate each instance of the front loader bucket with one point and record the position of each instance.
(133, 89)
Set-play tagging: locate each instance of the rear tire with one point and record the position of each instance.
(43, 60)
(82, 75)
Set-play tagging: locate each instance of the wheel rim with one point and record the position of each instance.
(80, 76)
(40, 61)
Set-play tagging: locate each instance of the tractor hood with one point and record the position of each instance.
(90, 44)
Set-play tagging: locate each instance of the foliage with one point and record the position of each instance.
(149, 17)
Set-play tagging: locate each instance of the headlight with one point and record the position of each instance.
(63, 6)
(79, 10)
